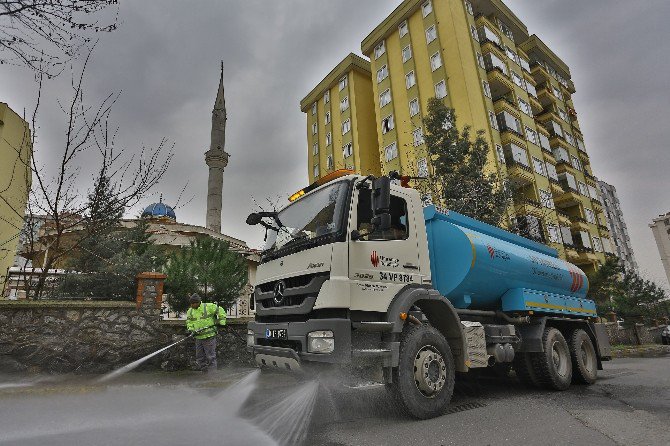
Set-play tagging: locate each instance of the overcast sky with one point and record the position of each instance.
(165, 56)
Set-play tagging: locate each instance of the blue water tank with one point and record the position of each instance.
(477, 266)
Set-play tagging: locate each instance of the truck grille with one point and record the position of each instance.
(298, 297)
(291, 282)
(289, 301)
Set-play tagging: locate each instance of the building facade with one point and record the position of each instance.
(480, 59)
(660, 227)
(617, 226)
(341, 129)
(15, 182)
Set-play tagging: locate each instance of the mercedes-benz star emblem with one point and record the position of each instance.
(280, 287)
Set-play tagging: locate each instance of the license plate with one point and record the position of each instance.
(276, 333)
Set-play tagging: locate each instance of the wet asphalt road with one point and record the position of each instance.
(629, 405)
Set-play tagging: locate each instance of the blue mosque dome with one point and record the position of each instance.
(158, 210)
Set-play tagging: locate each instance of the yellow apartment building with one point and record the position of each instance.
(341, 126)
(15, 181)
(479, 58)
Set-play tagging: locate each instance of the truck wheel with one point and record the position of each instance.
(523, 367)
(425, 377)
(584, 360)
(553, 367)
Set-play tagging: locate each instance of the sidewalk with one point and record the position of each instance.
(640, 351)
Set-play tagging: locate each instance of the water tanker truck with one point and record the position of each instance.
(357, 271)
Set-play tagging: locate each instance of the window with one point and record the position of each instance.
(530, 88)
(316, 171)
(524, 64)
(435, 61)
(518, 154)
(468, 7)
(417, 136)
(347, 150)
(500, 152)
(563, 114)
(551, 171)
(561, 154)
(493, 62)
(580, 145)
(414, 107)
(403, 29)
(593, 193)
(511, 54)
(554, 234)
(329, 162)
(597, 245)
(346, 126)
(505, 30)
(487, 89)
(382, 73)
(431, 34)
(480, 60)
(517, 79)
(329, 139)
(441, 89)
(554, 128)
(387, 124)
(326, 97)
(525, 107)
(538, 165)
(582, 239)
(391, 152)
(570, 139)
(422, 167)
(315, 148)
(547, 199)
(576, 163)
(315, 128)
(313, 109)
(583, 189)
(385, 98)
(343, 83)
(544, 142)
(410, 79)
(566, 235)
(344, 104)
(509, 122)
(556, 92)
(487, 35)
(493, 120)
(380, 49)
(406, 53)
(473, 33)
(427, 8)
(590, 215)
(327, 118)
(568, 181)
(398, 211)
(531, 135)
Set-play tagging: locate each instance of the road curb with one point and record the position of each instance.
(641, 351)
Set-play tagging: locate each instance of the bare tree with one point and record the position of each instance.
(56, 203)
(44, 34)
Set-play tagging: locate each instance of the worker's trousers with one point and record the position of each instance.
(205, 353)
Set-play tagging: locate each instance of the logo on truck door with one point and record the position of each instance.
(376, 260)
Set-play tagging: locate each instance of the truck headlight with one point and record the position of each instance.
(321, 341)
(251, 340)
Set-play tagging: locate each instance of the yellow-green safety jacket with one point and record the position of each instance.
(206, 316)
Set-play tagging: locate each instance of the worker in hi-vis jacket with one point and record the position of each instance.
(202, 320)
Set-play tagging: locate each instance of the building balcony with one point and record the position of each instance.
(529, 207)
(563, 218)
(519, 174)
(604, 230)
(489, 46)
(556, 187)
(568, 199)
(499, 82)
(509, 136)
(539, 73)
(579, 223)
(563, 166)
(545, 96)
(559, 141)
(504, 103)
(535, 104)
(597, 205)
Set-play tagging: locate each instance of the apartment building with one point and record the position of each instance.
(479, 58)
(15, 181)
(341, 130)
(660, 227)
(617, 226)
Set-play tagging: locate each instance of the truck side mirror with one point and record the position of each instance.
(253, 219)
(381, 203)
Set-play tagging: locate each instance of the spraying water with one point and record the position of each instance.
(133, 365)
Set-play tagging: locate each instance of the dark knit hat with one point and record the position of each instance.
(195, 299)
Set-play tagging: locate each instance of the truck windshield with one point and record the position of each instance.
(315, 219)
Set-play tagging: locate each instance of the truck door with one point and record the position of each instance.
(381, 263)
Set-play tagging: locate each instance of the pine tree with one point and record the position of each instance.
(459, 180)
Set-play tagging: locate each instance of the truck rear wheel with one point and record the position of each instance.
(523, 367)
(584, 359)
(553, 367)
(426, 372)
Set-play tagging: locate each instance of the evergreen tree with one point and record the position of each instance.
(458, 180)
(208, 267)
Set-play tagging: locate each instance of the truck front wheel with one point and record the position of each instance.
(425, 375)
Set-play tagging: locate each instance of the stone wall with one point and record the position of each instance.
(637, 335)
(96, 337)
